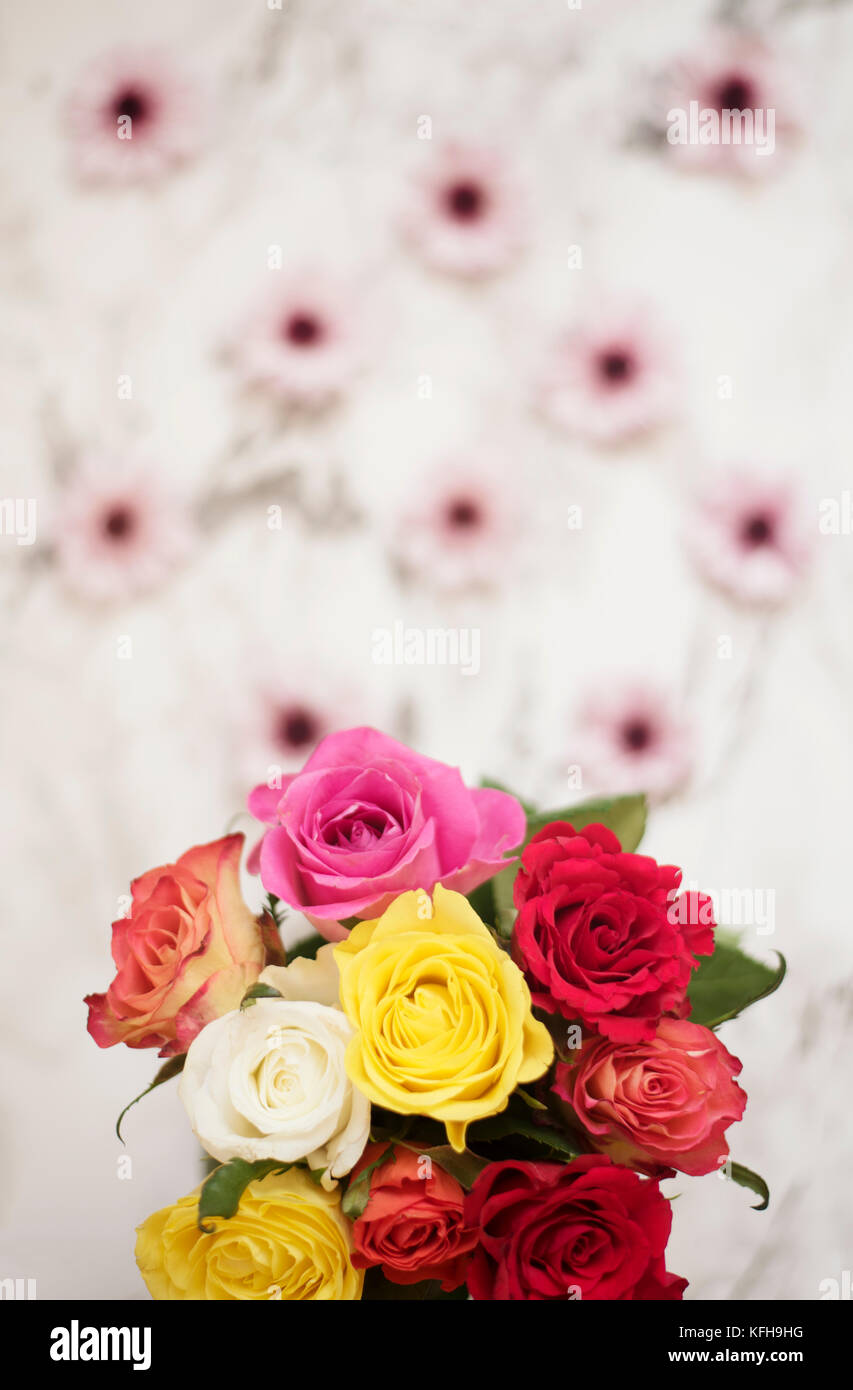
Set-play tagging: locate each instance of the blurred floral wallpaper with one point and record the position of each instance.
(444, 368)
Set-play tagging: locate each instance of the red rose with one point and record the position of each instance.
(586, 1229)
(413, 1224)
(600, 935)
(660, 1104)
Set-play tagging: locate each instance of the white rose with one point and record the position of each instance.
(269, 1082)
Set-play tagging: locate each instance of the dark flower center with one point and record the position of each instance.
(735, 94)
(637, 735)
(118, 523)
(133, 103)
(463, 513)
(607, 936)
(297, 727)
(616, 365)
(304, 330)
(757, 530)
(465, 200)
(578, 1250)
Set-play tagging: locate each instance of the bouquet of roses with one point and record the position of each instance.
(469, 1082)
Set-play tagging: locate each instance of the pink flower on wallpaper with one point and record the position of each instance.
(610, 376)
(303, 341)
(750, 535)
(730, 72)
(630, 737)
(466, 215)
(134, 114)
(461, 533)
(118, 529)
(282, 722)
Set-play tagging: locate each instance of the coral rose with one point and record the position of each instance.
(185, 954)
(656, 1105)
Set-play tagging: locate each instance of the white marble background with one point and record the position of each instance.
(111, 766)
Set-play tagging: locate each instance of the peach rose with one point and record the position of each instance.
(660, 1104)
(186, 953)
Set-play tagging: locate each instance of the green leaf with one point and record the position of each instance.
(504, 913)
(307, 948)
(729, 981)
(272, 905)
(377, 1287)
(529, 1100)
(166, 1072)
(624, 815)
(356, 1195)
(745, 1177)
(482, 901)
(258, 991)
(507, 1126)
(221, 1192)
(465, 1167)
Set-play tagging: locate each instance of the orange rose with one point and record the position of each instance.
(413, 1225)
(186, 953)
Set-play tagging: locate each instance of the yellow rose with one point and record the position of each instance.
(443, 1019)
(287, 1240)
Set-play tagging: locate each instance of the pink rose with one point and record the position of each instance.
(367, 819)
(660, 1104)
(186, 953)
